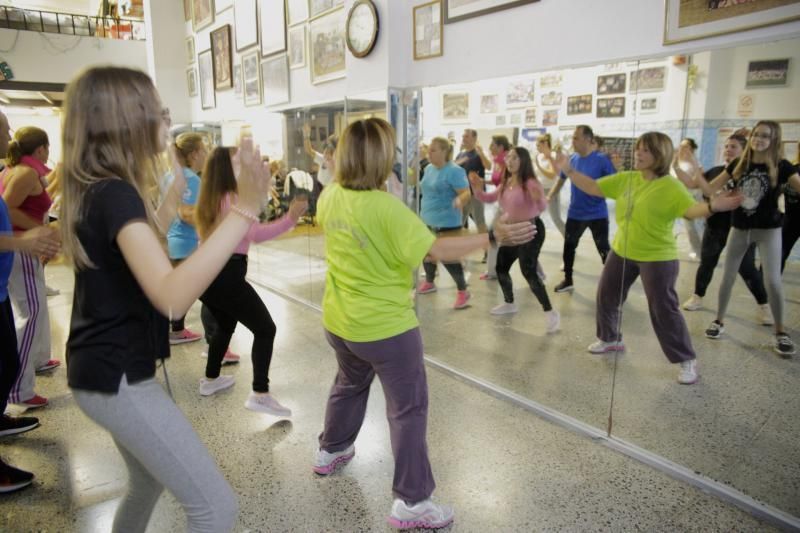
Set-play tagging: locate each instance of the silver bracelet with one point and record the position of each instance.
(246, 214)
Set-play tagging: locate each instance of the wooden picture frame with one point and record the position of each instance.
(245, 17)
(202, 14)
(251, 78)
(613, 107)
(611, 83)
(273, 27)
(455, 107)
(222, 57)
(326, 43)
(767, 73)
(205, 80)
(428, 30)
(275, 75)
(191, 80)
(687, 20)
(296, 49)
(579, 105)
(455, 11)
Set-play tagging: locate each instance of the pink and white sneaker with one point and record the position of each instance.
(326, 462)
(462, 300)
(34, 402)
(424, 514)
(426, 287)
(183, 336)
(49, 365)
(229, 358)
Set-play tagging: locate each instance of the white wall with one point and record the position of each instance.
(166, 60)
(53, 58)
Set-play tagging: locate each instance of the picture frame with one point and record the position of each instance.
(222, 5)
(190, 53)
(187, 10)
(648, 79)
(611, 83)
(457, 10)
(520, 93)
(613, 107)
(648, 105)
(205, 80)
(251, 78)
(500, 120)
(767, 73)
(317, 8)
(530, 116)
(428, 30)
(237, 80)
(296, 11)
(550, 117)
(687, 20)
(455, 107)
(551, 98)
(327, 47)
(202, 14)
(275, 76)
(579, 105)
(489, 104)
(272, 18)
(221, 56)
(245, 18)
(297, 47)
(551, 80)
(515, 119)
(191, 80)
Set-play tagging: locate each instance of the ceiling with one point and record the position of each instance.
(29, 94)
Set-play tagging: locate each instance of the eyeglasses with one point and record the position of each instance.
(762, 136)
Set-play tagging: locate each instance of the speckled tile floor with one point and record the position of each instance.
(501, 467)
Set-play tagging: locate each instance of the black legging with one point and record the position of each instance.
(9, 357)
(231, 299)
(455, 269)
(528, 255)
(715, 237)
(791, 231)
(207, 319)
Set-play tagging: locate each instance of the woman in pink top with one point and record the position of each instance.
(521, 197)
(229, 297)
(498, 149)
(23, 186)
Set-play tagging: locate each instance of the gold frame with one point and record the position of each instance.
(441, 29)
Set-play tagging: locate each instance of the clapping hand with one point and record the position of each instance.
(252, 177)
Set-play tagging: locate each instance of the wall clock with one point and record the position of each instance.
(362, 28)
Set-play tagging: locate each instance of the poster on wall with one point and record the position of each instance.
(611, 107)
(648, 105)
(237, 80)
(428, 30)
(221, 45)
(456, 10)
(551, 98)
(296, 11)
(251, 79)
(550, 117)
(767, 73)
(520, 93)
(500, 120)
(550, 80)
(455, 107)
(320, 7)
(579, 105)
(244, 18)
(327, 47)
(275, 73)
(515, 118)
(489, 103)
(190, 55)
(530, 116)
(208, 98)
(648, 79)
(611, 83)
(202, 14)
(273, 28)
(191, 81)
(297, 47)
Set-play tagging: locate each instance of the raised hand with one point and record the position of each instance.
(298, 207)
(562, 161)
(253, 176)
(177, 169)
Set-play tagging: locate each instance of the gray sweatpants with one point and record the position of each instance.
(161, 450)
(769, 250)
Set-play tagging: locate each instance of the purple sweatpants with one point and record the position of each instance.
(399, 365)
(658, 280)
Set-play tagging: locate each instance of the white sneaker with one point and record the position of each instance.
(325, 462)
(266, 403)
(694, 303)
(212, 386)
(504, 308)
(553, 321)
(424, 514)
(688, 372)
(605, 347)
(765, 315)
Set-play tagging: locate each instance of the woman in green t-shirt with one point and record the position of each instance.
(648, 202)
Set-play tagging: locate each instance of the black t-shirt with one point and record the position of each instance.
(471, 163)
(115, 330)
(760, 207)
(718, 221)
(791, 197)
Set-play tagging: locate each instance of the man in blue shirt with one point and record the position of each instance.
(585, 211)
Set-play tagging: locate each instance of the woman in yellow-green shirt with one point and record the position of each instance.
(648, 202)
(373, 242)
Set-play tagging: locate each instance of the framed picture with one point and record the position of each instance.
(455, 107)
(611, 83)
(190, 54)
(767, 73)
(275, 73)
(320, 7)
(500, 120)
(515, 119)
(273, 27)
(251, 78)
(686, 20)
(296, 11)
(579, 105)
(244, 17)
(611, 107)
(648, 105)
(205, 67)
(223, 68)
(550, 117)
(428, 30)
(456, 10)
(187, 10)
(551, 98)
(648, 79)
(550, 80)
(237, 80)
(520, 93)
(327, 47)
(202, 14)
(222, 5)
(297, 47)
(530, 116)
(191, 81)
(489, 103)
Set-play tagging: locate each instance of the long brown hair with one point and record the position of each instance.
(773, 152)
(111, 129)
(26, 140)
(525, 171)
(218, 181)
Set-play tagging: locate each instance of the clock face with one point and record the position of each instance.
(361, 29)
